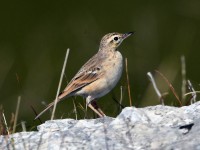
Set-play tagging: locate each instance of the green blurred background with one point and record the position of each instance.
(34, 36)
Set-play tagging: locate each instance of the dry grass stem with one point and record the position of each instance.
(170, 86)
(156, 88)
(82, 108)
(16, 114)
(75, 110)
(121, 97)
(23, 126)
(194, 95)
(59, 85)
(186, 94)
(85, 110)
(183, 73)
(128, 83)
(5, 122)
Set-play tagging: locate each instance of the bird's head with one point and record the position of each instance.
(113, 40)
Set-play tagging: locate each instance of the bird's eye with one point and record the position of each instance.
(116, 38)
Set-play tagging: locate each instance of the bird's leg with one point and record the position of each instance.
(95, 110)
(94, 104)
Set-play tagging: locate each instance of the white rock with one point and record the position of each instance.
(155, 127)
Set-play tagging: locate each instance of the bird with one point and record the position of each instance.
(99, 75)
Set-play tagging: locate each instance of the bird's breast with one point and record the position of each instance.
(113, 69)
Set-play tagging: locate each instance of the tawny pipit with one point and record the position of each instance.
(99, 75)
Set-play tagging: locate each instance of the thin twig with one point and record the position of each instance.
(16, 113)
(5, 122)
(183, 73)
(59, 85)
(194, 95)
(191, 93)
(170, 86)
(127, 77)
(160, 97)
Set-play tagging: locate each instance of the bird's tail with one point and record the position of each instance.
(60, 97)
(49, 106)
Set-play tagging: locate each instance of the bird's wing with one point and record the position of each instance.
(89, 73)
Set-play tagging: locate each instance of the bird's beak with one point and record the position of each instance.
(125, 35)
